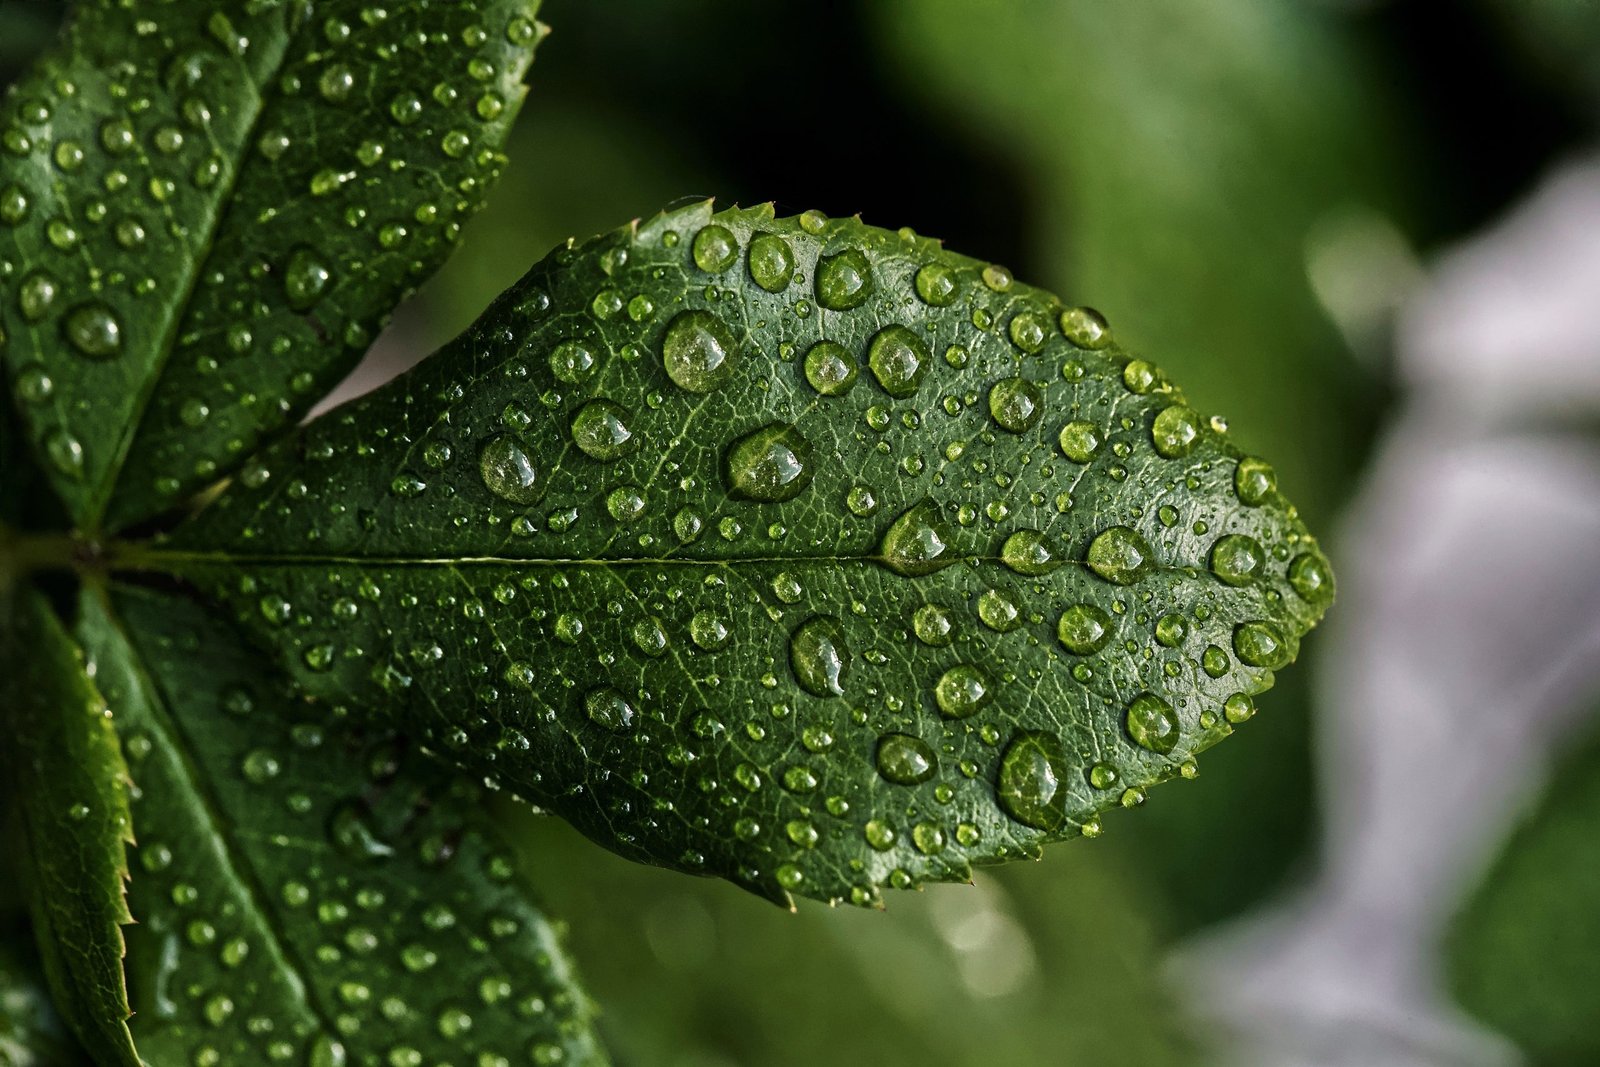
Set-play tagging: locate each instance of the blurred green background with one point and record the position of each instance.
(1245, 188)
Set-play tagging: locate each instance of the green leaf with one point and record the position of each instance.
(310, 892)
(1524, 953)
(208, 209)
(716, 537)
(31, 1032)
(69, 786)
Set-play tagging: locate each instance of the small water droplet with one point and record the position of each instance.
(998, 612)
(933, 625)
(608, 708)
(94, 331)
(1311, 578)
(1152, 723)
(1028, 552)
(1260, 644)
(1254, 481)
(305, 278)
(1080, 441)
(1085, 327)
(1016, 404)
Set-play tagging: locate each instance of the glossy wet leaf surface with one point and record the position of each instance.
(67, 782)
(818, 624)
(309, 891)
(206, 210)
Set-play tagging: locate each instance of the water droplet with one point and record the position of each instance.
(352, 833)
(1175, 431)
(1032, 781)
(687, 525)
(1237, 559)
(509, 472)
(1260, 644)
(1120, 555)
(261, 766)
(625, 503)
(905, 760)
(13, 204)
(919, 542)
(35, 295)
(1085, 327)
(772, 464)
(830, 368)
(961, 691)
(844, 281)
(698, 351)
(1028, 553)
(1311, 578)
(1153, 724)
(819, 656)
(571, 362)
(1214, 661)
(715, 249)
(1080, 441)
(708, 630)
(1171, 630)
(997, 612)
(1016, 404)
(861, 501)
(1254, 481)
(1027, 332)
(879, 834)
(1140, 377)
(336, 83)
(997, 278)
(933, 625)
(771, 262)
(94, 331)
(64, 453)
(606, 707)
(305, 278)
(1103, 776)
(936, 285)
(1083, 629)
(928, 838)
(899, 360)
(600, 429)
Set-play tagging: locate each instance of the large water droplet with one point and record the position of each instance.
(1311, 578)
(1032, 782)
(936, 285)
(899, 360)
(1028, 552)
(819, 656)
(715, 249)
(608, 708)
(1080, 441)
(1152, 723)
(1254, 481)
(509, 472)
(830, 368)
(600, 429)
(94, 331)
(1120, 555)
(1085, 327)
(1016, 404)
(771, 262)
(772, 464)
(305, 278)
(905, 760)
(1260, 644)
(844, 281)
(572, 362)
(1175, 431)
(919, 542)
(1237, 558)
(1083, 629)
(698, 351)
(961, 691)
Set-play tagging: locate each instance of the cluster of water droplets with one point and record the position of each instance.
(317, 938)
(931, 505)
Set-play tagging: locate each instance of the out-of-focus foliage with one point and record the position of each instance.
(1038, 965)
(1562, 38)
(1524, 954)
